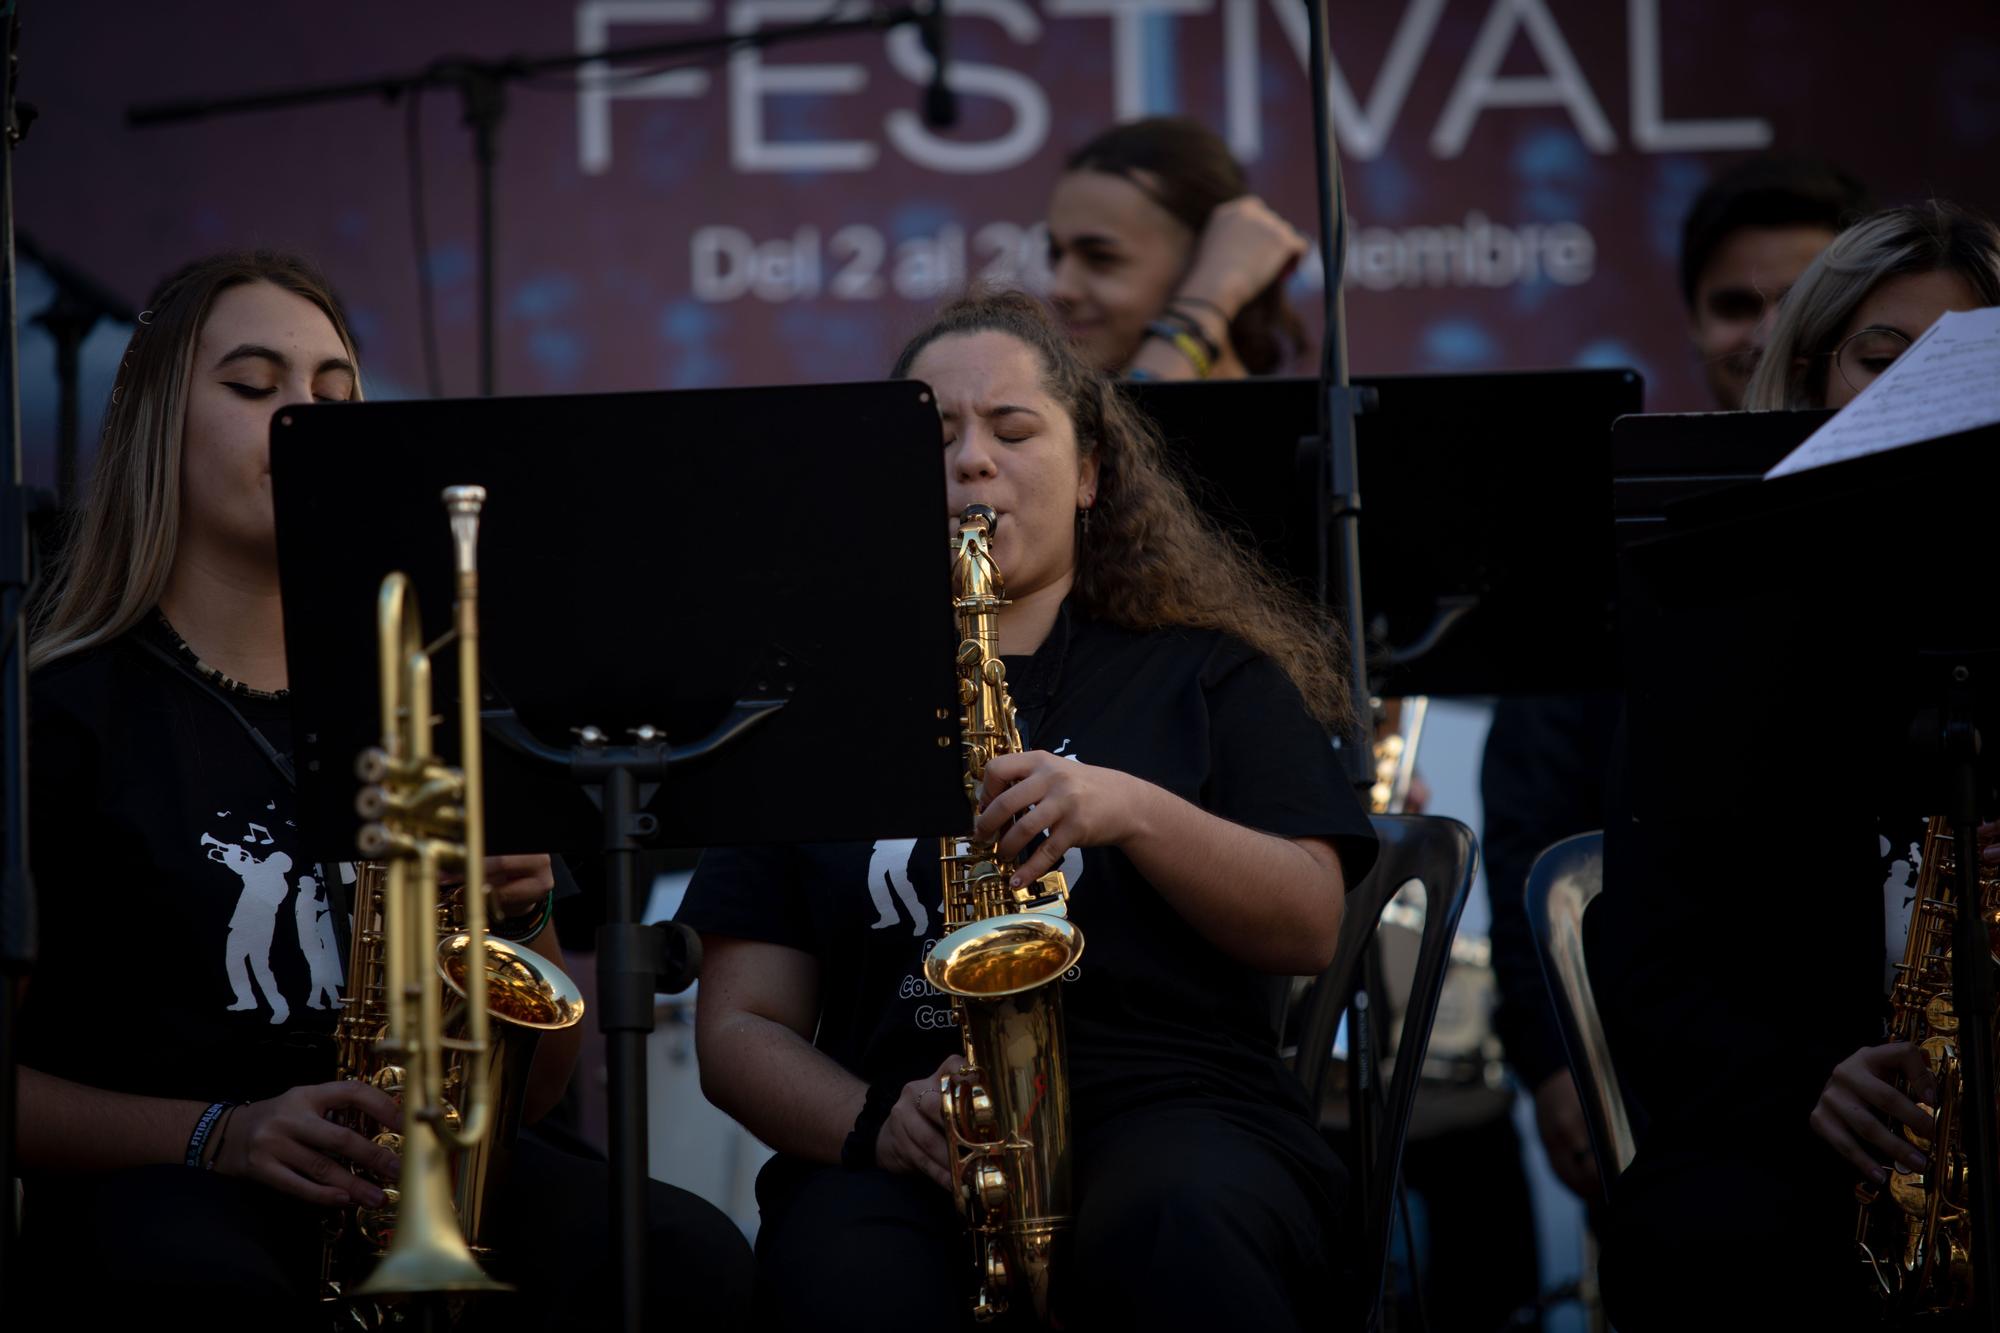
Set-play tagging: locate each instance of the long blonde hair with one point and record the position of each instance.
(1931, 237)
(119, 548)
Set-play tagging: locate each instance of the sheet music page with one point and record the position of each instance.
(1947, 382)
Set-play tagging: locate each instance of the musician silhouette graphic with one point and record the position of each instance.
(252, 925)
(889, 872)
(317, 941)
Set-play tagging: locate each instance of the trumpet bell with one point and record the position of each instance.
(433, 1263)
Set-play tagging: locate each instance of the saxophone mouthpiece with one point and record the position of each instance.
(980, 514)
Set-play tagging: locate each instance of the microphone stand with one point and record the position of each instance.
(1339, 522)
(79, 304)
(17, 896)
(482, 89)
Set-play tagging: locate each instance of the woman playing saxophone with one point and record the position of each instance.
(1173, 705)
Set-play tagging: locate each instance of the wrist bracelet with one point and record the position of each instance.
(528, 925)
(1192, 327)
(1185, 343)
(858, 1152)
(202, 1127)
(221, 1136)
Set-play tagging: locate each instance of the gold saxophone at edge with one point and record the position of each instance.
(1006, 1112)
(1915, 1234)
(409, 1024)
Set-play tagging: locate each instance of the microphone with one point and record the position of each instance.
(940, 102)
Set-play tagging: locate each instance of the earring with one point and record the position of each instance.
(1083, 521)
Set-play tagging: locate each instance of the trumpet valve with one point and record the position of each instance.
(372, 765)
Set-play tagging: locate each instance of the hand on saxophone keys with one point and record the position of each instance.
(1076, 804)
(912, 1139)
(288, 1143)
(1862, 1114)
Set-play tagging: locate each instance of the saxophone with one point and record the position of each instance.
(1006, 1111)
(1915, 1234)
(410, 1023)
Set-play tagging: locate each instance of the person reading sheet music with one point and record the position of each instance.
(1773, 1175)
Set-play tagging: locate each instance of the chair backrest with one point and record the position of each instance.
(1563, 882)
(1442, 855)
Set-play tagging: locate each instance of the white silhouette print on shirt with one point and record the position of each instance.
(889, 872)
(247, 950)
(318, 942)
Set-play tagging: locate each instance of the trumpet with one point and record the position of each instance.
(401, 1026)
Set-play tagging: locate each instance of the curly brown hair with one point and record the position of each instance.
(1150, 559)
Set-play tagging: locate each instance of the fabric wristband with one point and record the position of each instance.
(202, 1127)
(858, 1153)
(1186, 343)
(221, 1136)
(1192, 327)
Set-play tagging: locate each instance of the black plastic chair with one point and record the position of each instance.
(1562, 884)
(1441, 855)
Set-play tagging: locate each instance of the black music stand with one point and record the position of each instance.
(1840, 619)
(663, 574)
(1486, 526)
(1487, 534)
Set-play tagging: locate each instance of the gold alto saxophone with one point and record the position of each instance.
(1915, 1234)
(410, 1024)
(1006, 1111)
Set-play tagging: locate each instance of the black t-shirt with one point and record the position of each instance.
(1153, 1009)
(188, 949)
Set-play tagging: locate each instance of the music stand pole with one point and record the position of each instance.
(17, 896)
(634, 961)
(1339, 512)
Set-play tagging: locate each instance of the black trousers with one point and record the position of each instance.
(1188, 1216)
(1730, 1237)
(130, 1248)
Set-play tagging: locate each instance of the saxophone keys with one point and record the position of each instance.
(980, 1113)
(994, 1278)
(989, 1181)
